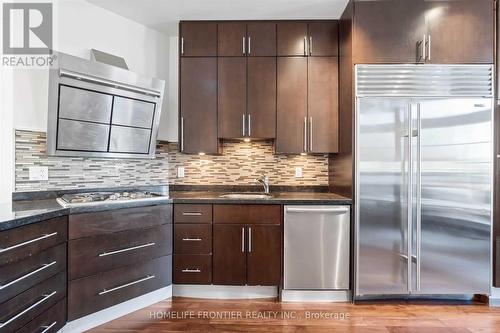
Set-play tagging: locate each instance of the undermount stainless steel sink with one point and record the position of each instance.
(246, 195)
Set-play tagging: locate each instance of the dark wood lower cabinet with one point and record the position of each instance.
(50, 321)
(192, 269)
(264, 255)
(229, 256)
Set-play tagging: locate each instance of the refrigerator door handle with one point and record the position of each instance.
(418, 238)
(409, 200)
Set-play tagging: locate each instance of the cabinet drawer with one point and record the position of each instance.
(93, 293)
(50, 321)
(186, 213)
(91, 255)
(22, 275)
(23, 308)
(91, 224)
(247, 214)
(192, 269)
(26, 241)
(192, 239)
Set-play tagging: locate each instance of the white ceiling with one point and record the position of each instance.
(159, 14)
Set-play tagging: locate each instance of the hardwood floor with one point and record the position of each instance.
(197, 315)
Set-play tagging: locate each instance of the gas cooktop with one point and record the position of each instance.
(96, 198)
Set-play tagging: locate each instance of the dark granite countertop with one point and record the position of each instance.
(20, 213)
(25, 212)
(297, 198)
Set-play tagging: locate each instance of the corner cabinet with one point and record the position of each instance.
(418, 31)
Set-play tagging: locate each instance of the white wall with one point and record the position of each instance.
(80, 26)
(6, 136)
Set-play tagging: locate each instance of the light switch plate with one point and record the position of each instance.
(180, 172)
(38, 173)
(298, 172)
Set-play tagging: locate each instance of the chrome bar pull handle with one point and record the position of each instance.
(249, 45)
(305, 46)
(423, 45)
(305, 134)
(310, 133)
(409, 202)
(28, 309)
(192, 239)
(105, 291)
(38, 270)
(47, 328)
(243, 125)
(34, 240)
(249, 125)
(249, 239)
(310, 45)
(243, 239)
(244, 46)
(418, 236)
(429, 47)
(182, 134)
(182, 45)
(188, 270)
(127, 249)
(191, 214)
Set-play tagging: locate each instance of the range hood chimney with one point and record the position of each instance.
(108, 59)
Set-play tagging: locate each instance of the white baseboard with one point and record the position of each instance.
(224, 292)
(494, 299)
(116, 311)
(315, 296)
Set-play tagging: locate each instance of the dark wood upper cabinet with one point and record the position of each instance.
(292, 38)
(291, 105)
(198, 39)
(232, 39)
(198, 105)
(232, 96)
(388, 31)
(323, 105)
(261, 97)
(461, 31)
(229, 254)
(264, 255)
(261, 39)
(323, 38)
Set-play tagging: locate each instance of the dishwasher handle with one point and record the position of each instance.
(336, 210)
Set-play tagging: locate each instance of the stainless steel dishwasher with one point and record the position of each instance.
(317, 246)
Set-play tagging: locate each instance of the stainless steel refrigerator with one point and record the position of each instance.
(424, 169)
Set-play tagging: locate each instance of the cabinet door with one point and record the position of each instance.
(388, 31)
(291, 38)
(198, 105)
(261, 102)
(323, 104)
(461, 31)
(198, 39)
(264, 255)
(261, 39)
(323, 38)
(232, 39)
(229, 256)
(231, 96)
(291, 105)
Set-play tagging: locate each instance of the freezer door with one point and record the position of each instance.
(454, 222)
(382, 171)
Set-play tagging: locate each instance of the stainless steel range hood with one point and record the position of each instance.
(99, 110)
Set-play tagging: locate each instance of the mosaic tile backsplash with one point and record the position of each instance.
(239, 164)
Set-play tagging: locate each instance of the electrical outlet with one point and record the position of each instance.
(298, 172)
(180, 172)
(38, 173)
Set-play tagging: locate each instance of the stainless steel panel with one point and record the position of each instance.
(428, 80)
(78, 135)
(316, 247)
(131, 112)
(456, 187)
(80, 104)
(129, 140)
(382, 196)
